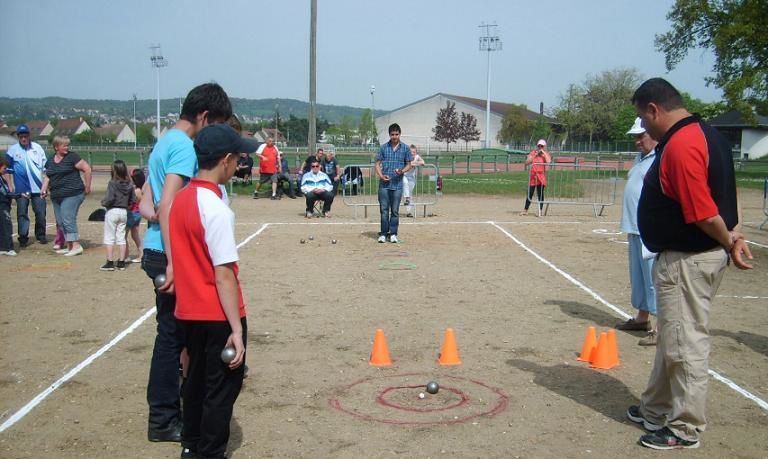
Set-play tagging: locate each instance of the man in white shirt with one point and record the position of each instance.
(317, 186)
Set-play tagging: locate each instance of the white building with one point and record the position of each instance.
(120, 131)
(749, 140)
(418, 118)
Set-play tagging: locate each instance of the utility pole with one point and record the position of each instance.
(489, 42)
(158, 61)
(312, 134)
(135, 135)
(373, 117)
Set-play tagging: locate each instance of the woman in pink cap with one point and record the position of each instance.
(538, 178)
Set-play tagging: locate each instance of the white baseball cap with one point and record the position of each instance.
(637, 128)
(541, 142)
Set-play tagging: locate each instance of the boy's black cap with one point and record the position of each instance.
(218, 139)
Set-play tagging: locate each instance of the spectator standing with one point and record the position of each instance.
(537, 159)
(392, 161)
(330, 166)
(688, 214)
(171, 165)
(26, 162)
(269, 166)
(6, 226)
(134, 215)
(65, 185)
(640, 268)
(120, 196)
(210, 306)
(316, 185)
(409, 180)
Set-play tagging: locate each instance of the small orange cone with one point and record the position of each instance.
(590, 343)
(380, 351)
(449, 354)
(605, 356)
(614, 347)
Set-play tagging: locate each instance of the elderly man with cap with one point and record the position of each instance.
(26, 162)
(640, 267)
(537, 178)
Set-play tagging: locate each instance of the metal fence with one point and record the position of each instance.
(360, 189)
(765, 203)
(578, 184)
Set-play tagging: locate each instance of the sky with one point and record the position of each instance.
(407, 49)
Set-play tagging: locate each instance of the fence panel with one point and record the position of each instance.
(765, 203)
(578, 184)
(360, 189)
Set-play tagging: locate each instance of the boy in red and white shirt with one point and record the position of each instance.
(209, 301)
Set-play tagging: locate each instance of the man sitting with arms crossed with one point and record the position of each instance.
(317, 186)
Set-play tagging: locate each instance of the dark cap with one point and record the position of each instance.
(219, 139)
(22, 129)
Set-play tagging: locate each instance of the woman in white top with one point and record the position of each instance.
(409, 181)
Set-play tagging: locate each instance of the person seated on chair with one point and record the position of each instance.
(317, 186)
(244, 167)
(285, 177)
(317, 156)
(353, 176)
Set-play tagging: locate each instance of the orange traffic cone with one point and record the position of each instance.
(590, 343)
(449, 354)
(605, 356)
(380, 351)
(614, 346)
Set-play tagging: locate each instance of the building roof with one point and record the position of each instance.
(37, 124)
(110, 129)
(735, 119)
(499, 108)
(68, 126)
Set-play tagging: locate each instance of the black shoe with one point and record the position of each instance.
(171, 434)
(24, 243)
(292, 196)
(634, 415)
(42, 241)
(187, 453)
(665, 439)
(274, 198)
(255, 195)
(121, 265)
(108, 266)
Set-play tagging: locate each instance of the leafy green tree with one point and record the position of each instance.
(515, 126)
(735, 31)
(367, 127)
(707, 110)
(447, 125)
(468, 131)
(144, 134)
(541, 128)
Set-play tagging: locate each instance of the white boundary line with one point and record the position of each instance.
(759, 245)
(745, 297)
(760, 402)
(17, 416)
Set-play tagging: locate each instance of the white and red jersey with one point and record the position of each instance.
(202, 233)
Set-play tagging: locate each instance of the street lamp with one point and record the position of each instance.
(489, 42)
(135, 135)
(373, 117)
(158, 61)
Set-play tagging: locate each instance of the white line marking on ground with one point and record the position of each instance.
(17, 416)
(745, 297)
(605, 231)
(760, 402)
(759, 245)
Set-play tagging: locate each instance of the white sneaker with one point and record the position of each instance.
(382, 239)
(393, 239)
(62, 251)
(76, 251)
(9, 253)
(56, 247)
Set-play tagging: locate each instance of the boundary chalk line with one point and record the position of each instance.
(760, 402)
(757, 244)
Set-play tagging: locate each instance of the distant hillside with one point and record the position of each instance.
(60, 107)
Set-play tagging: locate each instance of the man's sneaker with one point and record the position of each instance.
(108, 266)
(121, 265)
(42, 241)
(393, 239)
(292, 196)
(634, 415)
(309, 214)
(24, 243)
(274, 198)
(171, 434)
(382, 239)
(650, 339)
(75, 251)
(62, 251)
(633, 325)
(255, 195)
(666, 439)
(187, 453)
(9, 253)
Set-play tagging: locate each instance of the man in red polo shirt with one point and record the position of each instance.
(209, 301)
(269, 166)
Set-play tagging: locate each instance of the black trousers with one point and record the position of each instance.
(325, 196)
(539, 193)
(211, 388)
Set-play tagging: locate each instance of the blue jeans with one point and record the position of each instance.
(163, 389)
(641, 277)
(389, 206)
(22, 217)
(65, 210)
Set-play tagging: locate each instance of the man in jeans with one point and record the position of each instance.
(392, 161)
(171, 165)
(26, 162)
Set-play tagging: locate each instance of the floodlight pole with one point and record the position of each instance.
(158, 61)
(134, 122)
(489, 43)
(312, 134)
(373, 117)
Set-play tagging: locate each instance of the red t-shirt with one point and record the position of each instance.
(538, 169)
(202, 236)
(268, 165)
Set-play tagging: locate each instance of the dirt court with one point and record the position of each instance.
(313, 311)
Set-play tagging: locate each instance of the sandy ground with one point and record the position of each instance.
(311, 393)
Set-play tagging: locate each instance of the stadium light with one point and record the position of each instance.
(489, 42)
(158, 61)
(134, 121)
(373, 117)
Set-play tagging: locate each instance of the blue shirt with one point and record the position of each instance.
(392, 159)
(27, 167)
(174, 153)
(632, 191)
